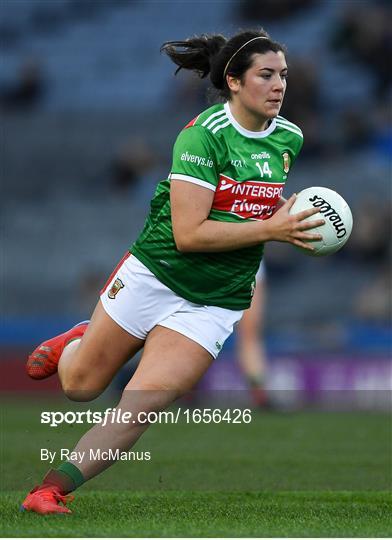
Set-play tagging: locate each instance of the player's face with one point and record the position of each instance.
(263, 86)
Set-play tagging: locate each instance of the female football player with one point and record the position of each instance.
(189, 276)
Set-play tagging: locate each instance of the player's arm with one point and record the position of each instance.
(194, 232)
(194, 178)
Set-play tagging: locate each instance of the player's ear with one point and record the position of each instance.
(233, 83)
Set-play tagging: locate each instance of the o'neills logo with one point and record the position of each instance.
(117, 286)
(251, 199)
(326, 209)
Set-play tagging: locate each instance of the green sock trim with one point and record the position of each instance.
(73, 472)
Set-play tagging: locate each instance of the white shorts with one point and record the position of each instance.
(137, 301)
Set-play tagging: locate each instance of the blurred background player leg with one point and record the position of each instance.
(251, 350)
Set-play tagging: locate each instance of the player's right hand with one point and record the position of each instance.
(292, 228)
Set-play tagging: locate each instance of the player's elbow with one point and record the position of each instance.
(183, 243)
(185, 239)
(188, 237)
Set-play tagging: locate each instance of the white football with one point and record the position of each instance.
(336, 213)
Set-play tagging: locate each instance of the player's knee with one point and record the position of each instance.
(75, 394)
(147, 396)
(80, 386)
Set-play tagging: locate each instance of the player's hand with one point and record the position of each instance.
(292, 228)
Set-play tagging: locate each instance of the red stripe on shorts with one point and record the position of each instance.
(127, 254)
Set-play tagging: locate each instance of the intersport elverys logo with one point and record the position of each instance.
(249, 200)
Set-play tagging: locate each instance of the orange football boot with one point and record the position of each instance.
(43, 361)
(45, 499)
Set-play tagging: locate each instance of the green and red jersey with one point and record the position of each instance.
(247, 172)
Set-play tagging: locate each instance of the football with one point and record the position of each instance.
(337, 214)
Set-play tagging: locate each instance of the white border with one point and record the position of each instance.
(192, 180)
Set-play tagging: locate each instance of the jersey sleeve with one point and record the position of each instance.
(297, 142)
(195, 159)
(298, 146)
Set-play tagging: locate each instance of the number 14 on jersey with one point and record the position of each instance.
(264, 169)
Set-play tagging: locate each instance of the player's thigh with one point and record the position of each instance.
(170, 366)
(104, 349)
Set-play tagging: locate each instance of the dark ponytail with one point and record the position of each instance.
(217, 56)
(195, 53)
